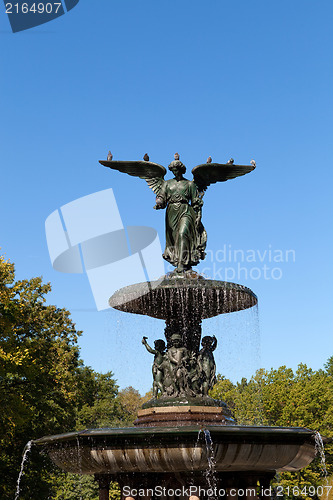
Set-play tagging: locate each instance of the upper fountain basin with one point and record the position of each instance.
(173, 296)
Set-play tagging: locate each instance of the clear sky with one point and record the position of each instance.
(242, 79)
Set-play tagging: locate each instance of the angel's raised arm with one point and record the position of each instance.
(152, 173)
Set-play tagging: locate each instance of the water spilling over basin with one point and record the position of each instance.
(172, 297)
(156, 450)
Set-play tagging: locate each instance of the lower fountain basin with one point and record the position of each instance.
(146, 450)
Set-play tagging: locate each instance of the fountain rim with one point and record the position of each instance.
(127, 299)
(228, 432)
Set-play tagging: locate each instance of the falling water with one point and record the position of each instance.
(196, 447)
(210, 450)
(254, 327)
(198, 438)
(319, 447)
(79, 455)
(210, 472)
(238, 335)
(24, 458)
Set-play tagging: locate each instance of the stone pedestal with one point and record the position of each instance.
(174, 416)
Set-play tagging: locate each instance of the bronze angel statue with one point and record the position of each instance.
(186, 237)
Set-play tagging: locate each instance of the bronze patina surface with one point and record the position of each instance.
(185, 234)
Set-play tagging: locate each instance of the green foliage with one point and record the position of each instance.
(101, 405)
(39, 360)
(44, 389)
(284, 398)
(98, 405)
(130, 401)
(73, 486)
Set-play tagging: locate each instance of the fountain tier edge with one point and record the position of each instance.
(172, 296)
(114, 451)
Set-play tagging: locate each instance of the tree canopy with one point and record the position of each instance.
(281, 397)
(45, 389)
(39, 359)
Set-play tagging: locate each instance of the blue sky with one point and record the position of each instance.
(220, 78)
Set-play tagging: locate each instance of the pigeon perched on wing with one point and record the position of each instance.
(209, 159)
(253, 163)
(146, 157)
(231, 161)
(110, 156)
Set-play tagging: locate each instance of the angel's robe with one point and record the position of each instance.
(185, 235)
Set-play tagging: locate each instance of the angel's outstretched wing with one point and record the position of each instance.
(209, 173)
(152, 173)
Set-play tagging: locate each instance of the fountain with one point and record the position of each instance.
(184, 443)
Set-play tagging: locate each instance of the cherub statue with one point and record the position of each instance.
(207, 364)
(185, 235)
(178, 358)
(157, 369)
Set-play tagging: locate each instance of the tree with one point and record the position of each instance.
(284, 398)
(98, 405)
(39, 361)
(130, 401)
(45, 390)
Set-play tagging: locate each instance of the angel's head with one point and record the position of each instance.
(177, 167)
